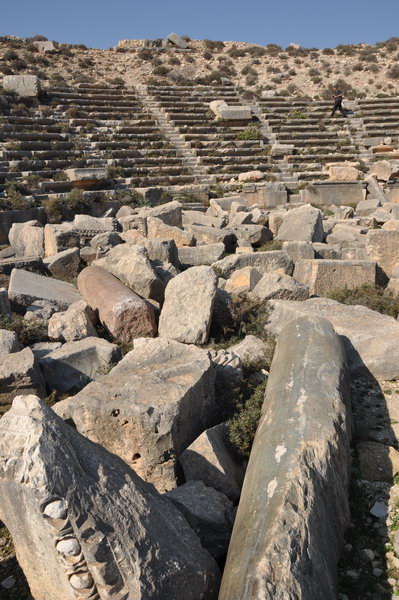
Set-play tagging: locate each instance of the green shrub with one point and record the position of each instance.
(28, 332)
(242, 426)
(252, 132)
(393, 72)
(145, 54)
(115, 172)
(58, 207)
(328, 51)
(10, 55)
(15, 199)
(271, 245)
(161, 70)
(214, 45)
(235, 52)
(376, 298)
(257, 51)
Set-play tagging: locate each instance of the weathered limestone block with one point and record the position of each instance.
(26, 287)
(212, 235)
(329, 192)
(239, 218)
(105, 241)
(276, 218)
(73, 324)
(187, 310)
(382, 170)
(250, 176)
(243, 280)
(98, 224)
(293, 510)
(163, 250)
(170, 213)
(367, 207)
(149, 408)
(302, 224)
(85, 525)
(44, 46)
(178, 41)
(131, 265)
(24, 85)
(323, 276)
(65, 264)
(250, 349)
(282, 149)
(19, 374)
(160, 230)
(85, 178)
(75, 364)
(27, 239)
(346, 235)
(278, 286)
(209, 512)
(210, 459)
(254, 234)
(200, 255)
(297, 250)
(28, 263)
(383, 247)
(8, 342)
(120, 310)
(60, 237)
(195, 217)
(264, 262)
(371, 348)
(343, 173)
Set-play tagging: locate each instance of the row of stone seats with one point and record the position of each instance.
(89, 127)
(214, 142)
(380, 117)
(316, 137)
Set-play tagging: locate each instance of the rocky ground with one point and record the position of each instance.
(362, 70)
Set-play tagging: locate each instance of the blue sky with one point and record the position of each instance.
(101, 24)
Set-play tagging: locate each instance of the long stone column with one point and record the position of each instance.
(294, 505)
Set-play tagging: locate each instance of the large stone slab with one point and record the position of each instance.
(19, 374)
(302, 224)
(212, 235)
(27, 239)
(178, 41)
(130, 264)
(75, 364)
(26, 287)
(210, 459)
(209, 512)
(85, 525)
(187, 310)
(323, 276)
(65, 264)
(58, 238)
(73, 324)
(334, 193)
(8, 217)
(383, 246)
(125, 314)
(170, 213)
(149, 408)
(23, 85)
(293, 510)
(160, 230)
(264, 262)
(371, 339)
(283, 287)
(200, 255)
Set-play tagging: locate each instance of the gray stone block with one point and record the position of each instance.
(25, 287)
(24, 85)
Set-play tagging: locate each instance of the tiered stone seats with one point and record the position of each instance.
(317, 138)
(380, 117)
(87, 127)
(215, 142)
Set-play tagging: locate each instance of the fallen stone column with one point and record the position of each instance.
(294, 507)
(125, 314)
(85, 525)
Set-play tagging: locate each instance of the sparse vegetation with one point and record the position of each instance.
(252, 132)
(371, 296)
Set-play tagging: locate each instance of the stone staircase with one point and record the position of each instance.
(172, 134)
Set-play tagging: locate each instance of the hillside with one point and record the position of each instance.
(362, 70)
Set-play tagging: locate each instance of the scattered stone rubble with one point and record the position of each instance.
(128, 486)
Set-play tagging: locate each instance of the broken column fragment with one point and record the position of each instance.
(293, 511)
(84, 524)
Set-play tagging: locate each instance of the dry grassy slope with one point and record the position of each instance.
(367, 70)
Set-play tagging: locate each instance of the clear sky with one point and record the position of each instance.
(101, 24)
